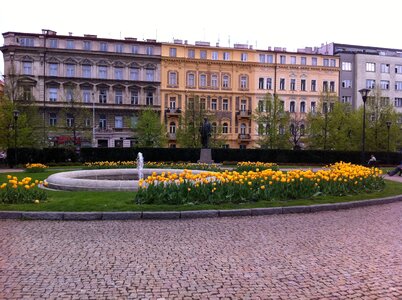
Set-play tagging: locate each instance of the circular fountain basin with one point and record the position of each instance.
(103, 179)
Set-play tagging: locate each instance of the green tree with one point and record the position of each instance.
(297, 126)
(188, 131)
(379, 110)
(149, 130)
(272, 122)
(24, 131)
(334, 126)
(74, 116)
(18, 90)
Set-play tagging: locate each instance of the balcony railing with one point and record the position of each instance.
(172, 136)
(244, 137)
(173, 111)
(244, 114)
(111, 129)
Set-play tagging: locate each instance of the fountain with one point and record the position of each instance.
(106, 179)
(140, 165)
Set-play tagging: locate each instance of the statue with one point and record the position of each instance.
(205, 131)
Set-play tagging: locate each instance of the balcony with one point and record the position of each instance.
(244, 114)
(112, 129)
(172, 136)
(121, 129)
(173, 112)
(244, 137)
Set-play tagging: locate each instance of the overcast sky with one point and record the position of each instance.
(283, 23)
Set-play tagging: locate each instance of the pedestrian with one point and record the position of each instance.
(397, 169)
(372, 160)
(3, 156)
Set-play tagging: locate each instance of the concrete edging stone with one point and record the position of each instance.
(164, 215)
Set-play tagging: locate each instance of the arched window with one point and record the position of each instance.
(243, 128)
(302, 129)
(226, 81)
(214, 125)
(292, 128)
(267, 128)
(261, 129)
(281, 130)
(303, 107)
(225, 128)
(292, 106)
(172, 127)
(260, 106)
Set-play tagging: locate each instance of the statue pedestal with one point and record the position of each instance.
(205, 156)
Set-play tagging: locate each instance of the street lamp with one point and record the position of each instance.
(93, 121)
(388, 127)
(364, 93)
(16, 114)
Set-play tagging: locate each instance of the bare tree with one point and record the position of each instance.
(297, 129)
(272, 123)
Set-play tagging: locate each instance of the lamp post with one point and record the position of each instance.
(16, 114)
(93, 121)
(45, 32)
(388, 127)
(364, 93)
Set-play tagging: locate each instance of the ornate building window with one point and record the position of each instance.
(134, 97)
(172, 75)
(149, 99)
(225, 81)
(190, 79)
(214, 81)
(225, 128)
(53, 94)
(243, 82)
(134, 73)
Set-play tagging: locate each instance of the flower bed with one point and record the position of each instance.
(35, 168)
(21, 191)
(150, 164)
(255, 166)
(239, 187)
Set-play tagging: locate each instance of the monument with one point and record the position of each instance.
(205, 132)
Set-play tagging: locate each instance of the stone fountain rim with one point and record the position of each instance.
(74, 181)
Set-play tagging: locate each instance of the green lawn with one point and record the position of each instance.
(124, 201)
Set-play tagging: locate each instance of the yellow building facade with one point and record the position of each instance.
(230, 82)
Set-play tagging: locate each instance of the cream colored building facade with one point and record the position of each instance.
(232, 81)
(222, 79)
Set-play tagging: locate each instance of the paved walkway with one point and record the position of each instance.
(348, 254)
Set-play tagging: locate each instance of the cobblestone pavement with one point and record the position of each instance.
(350, 254)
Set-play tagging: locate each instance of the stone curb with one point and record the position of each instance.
(199, 214)
(164, 215)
